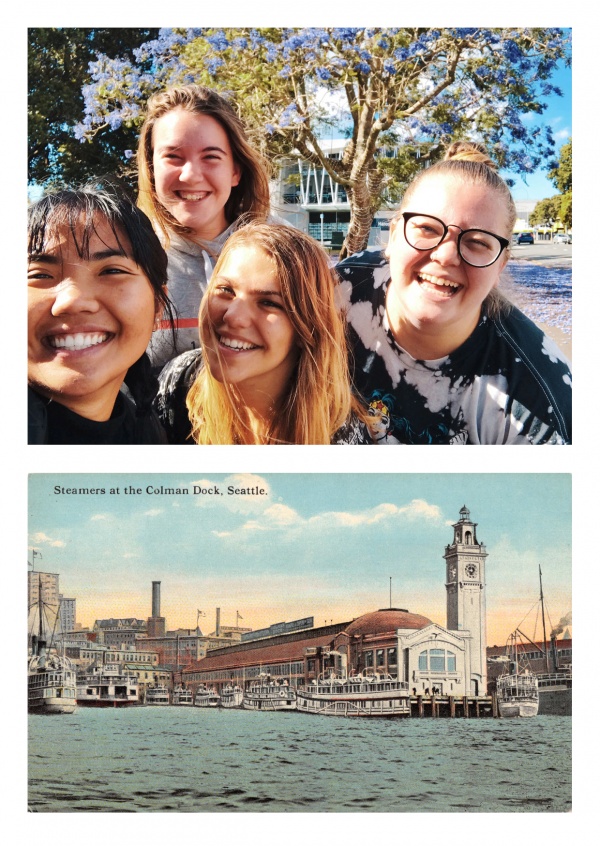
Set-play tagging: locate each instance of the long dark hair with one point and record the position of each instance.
(78, 210)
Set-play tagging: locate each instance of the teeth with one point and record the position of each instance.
(435, 280)
(199, 196)
(79, 341)
(237, 345)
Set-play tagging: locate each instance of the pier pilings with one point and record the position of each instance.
(468, 707)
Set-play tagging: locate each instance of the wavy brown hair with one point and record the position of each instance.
(249, 197)
(319, 399)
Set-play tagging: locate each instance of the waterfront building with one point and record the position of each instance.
(44, 586)
(119, 632)
(431, 658)
(67, 613)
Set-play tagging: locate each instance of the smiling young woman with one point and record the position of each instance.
(197, 176)
(273, 365)
(96, 277)
(451, 360)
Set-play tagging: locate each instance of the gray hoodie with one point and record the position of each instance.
(189, 271)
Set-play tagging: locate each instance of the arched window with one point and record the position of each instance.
(437, 661)
(468, 537)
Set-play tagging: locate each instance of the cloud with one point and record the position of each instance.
(153, 512)
(42, 538)
(282, 517)
(96, 517)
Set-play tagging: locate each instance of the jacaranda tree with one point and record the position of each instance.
(414, 90)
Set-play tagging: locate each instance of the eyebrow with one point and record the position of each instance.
(100, 255)
(174, 147)
(256, 292)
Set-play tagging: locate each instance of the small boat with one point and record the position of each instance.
(182, 696)
(51, 682)
(334, 693)
(158, 694)
(51, 678)
(232, 696)
(517, 688)
(105, 686)
(270, 695)
(206, 697)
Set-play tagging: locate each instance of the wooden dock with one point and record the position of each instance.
(454, 706)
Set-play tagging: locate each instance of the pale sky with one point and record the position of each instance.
(311, 545)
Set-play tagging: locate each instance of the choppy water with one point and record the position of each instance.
(543, 293)
(192, 759)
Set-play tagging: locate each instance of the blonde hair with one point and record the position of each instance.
(469, 161)
(250, 197)
(319, 399)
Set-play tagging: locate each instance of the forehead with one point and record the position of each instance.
(464, 203)
(86, 236)
(249, 265)
(180, 127)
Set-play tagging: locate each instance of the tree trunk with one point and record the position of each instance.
(363, 206)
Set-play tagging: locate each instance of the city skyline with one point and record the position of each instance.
(310, 545)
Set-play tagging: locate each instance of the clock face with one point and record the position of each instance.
(471, 570)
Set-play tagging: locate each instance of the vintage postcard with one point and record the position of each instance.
(300, 643)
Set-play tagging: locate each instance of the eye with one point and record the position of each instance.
(272, 304)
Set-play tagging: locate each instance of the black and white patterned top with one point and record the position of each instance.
(508, 383)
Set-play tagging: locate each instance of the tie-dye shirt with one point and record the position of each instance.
(508, 383)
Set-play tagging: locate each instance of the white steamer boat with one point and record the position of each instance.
(158, 694)
(335, 694)
(105, 686)
(232, 696)
(517, 688)
(206, 697)
(182, 696)
(51, 678)
(270, 695)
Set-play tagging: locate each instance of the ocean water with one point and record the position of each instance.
(543, 293)
(214, 760)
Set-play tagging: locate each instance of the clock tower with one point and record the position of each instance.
(465, 593)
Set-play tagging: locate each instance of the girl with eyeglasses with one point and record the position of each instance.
(428, 328)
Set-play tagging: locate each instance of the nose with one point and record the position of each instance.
(191, 171)
(446, 252)
(74, 296)
(237, 313)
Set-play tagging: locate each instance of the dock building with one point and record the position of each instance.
(431, 658)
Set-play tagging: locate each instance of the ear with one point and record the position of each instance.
(393, 236)
(236, 175)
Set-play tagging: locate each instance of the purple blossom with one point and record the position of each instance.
(362, 67)
(323, 73)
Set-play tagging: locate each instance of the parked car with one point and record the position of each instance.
(525, 238)
(562, 238)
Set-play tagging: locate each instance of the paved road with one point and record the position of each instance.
(543, 252)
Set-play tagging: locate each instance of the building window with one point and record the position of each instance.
(369, 659)
(437, 661)
(392, 657)
(380, 655)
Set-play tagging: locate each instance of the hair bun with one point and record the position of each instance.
(469, 151)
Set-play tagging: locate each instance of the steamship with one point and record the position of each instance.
(335, 694)
(270, 695)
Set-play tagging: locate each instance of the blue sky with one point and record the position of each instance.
(558, 115)
(313, 545)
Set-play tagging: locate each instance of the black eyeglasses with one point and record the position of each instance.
(475, 246)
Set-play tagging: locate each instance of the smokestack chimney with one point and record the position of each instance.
(218, 626)
(156, 599)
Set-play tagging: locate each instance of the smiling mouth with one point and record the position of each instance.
(441, 286)
(78, 341)
(236, 345)
(192, 197)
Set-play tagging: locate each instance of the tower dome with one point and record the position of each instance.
(386, 620)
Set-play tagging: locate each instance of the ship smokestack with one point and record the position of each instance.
(156, 599)
(218, 625)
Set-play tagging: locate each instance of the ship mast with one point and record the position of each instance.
(543, 619)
